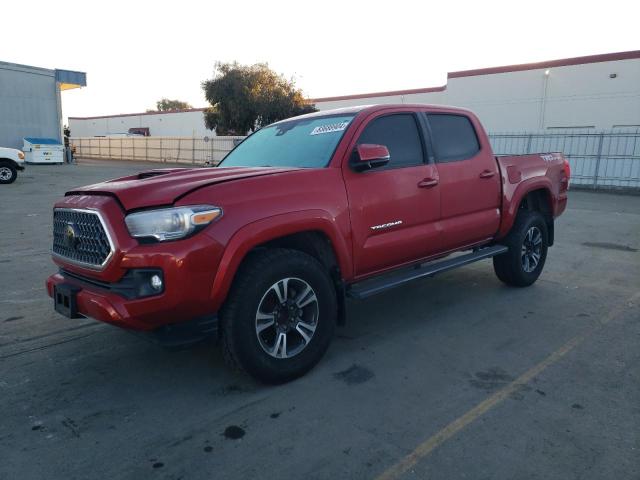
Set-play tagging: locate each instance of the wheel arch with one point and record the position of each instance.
(10, 161)
(312, 232)
(533, 195)
(539, 200)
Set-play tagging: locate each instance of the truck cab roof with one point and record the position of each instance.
(371, 108)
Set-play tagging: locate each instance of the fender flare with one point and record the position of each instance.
(271, 228)
(10, 161)
(511, 205)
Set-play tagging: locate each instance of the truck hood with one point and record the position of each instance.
(11, 154)
(165, 186)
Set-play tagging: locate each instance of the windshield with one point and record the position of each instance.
(305, 143)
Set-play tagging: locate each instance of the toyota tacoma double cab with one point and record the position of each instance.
(11, 161)
(263, 249)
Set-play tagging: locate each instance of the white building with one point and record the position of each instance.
(30, 102)
(179, 123)
(598, 91)
(593, 92)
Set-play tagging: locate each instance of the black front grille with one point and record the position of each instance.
(80, 237)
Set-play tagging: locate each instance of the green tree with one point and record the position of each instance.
(166, 105)
(246, 97)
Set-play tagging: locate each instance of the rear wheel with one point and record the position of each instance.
(8, 173)
(280, 315)
(528, 242)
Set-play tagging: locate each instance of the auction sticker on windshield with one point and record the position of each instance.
(332, 127)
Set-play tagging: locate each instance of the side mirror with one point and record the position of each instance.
(367, 156)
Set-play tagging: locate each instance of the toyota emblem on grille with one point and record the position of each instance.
(70, 236)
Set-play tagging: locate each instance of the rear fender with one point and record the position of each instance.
(512, 199)
(262, 231)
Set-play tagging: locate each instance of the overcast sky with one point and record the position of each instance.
(135, 52)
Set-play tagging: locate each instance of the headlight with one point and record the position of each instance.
(20, 155)
(171, 223)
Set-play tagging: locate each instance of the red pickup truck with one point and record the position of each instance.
(263, 249)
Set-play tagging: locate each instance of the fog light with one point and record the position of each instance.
(156, 282)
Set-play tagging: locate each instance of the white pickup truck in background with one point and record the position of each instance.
(11, 160)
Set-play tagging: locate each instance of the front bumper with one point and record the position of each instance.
(187, 266)
(143, 314)
(171, 335)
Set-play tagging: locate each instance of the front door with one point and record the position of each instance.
(395, 208)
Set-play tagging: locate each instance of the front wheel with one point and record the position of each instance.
(527, 241)
(280, 315)
(8, 173)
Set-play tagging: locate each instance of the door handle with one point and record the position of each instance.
(428, 183)
(487, 174)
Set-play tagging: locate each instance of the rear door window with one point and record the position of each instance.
(399, 133)
(453, 137)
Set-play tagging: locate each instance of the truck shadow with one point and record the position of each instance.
(134, 362)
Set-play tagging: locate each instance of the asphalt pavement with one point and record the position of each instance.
(455, 377)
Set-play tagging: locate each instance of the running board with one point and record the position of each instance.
(371, 286)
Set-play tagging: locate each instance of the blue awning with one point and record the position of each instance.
(69, 79)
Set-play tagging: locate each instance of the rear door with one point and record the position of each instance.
(469, 179)
(395, 208)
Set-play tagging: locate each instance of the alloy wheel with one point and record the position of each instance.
(287, 317)
(5, 174)
(531, 249)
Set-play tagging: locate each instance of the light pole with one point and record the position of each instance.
(543, 107)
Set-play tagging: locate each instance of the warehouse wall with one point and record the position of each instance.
(568, 97)
(29, 100)
(173, 124)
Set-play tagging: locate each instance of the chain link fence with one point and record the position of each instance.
(600, 160)
(604, 159)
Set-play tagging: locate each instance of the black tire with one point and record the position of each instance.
(510, 267)
(245, 348)
(8, 173)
